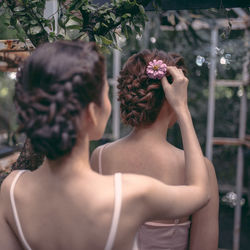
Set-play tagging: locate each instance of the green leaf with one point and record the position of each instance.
(18, 9)
(74, 27)
(20, 37)
(118, 19)
(35, 30)
(83, 37)
(52, 34)
(75, 5)
(62, 21)
(60, 37)
(98, 39)
(127, 15)
(13, 21)
(104, 25)
(53, 23)
(112, 15)
(129, 30)
(137, 29)
(7, 22)
(92, 8)
(77, 19)
(105, 40)
(142, 10)
(33, 22)
(97, 26)
(124, 30)
(113, 36)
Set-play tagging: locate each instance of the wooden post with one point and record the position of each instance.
(240, 154)
(211, 97)
(115, 103)
(51, 10)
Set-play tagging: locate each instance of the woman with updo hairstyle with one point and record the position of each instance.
(62, 103)
(146, 151)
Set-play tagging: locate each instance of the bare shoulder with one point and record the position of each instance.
(209, 164)
(5, 190)
(211, 170)
(5, 187)
(94, 159)
(7, 237)
(177, 154)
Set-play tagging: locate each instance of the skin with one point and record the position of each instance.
(146, 151)
(69, 206)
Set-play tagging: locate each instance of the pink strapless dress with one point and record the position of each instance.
(159, 236)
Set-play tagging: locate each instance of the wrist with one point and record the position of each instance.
(183, 114)
(181, 110)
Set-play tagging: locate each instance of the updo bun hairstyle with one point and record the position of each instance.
(140, 97)
(53, 85)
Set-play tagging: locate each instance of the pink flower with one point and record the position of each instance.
(156, 69)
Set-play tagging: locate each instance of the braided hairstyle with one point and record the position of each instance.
(141, 98)
(53, 85)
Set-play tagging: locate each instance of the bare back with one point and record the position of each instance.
(161, 161)
(75, 215)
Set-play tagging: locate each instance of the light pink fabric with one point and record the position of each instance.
(159, 236)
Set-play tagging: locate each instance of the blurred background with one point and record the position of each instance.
(215, 45)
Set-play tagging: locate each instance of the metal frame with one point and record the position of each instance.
(242, 139)
(115, 102)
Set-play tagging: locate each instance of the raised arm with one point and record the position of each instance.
(177, 201)
(204, 232)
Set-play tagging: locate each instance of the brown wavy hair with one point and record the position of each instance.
(53, 85)
(141, 98)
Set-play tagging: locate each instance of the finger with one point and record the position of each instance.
(178, 75)
(180, 70)
(165, 83)
(174, 71)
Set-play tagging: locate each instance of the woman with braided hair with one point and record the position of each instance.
(146, 109)
(62, 103)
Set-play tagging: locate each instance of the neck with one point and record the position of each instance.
(75, 162)
(158, 130)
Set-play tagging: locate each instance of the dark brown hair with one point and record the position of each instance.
(141, 97)
(53, 85)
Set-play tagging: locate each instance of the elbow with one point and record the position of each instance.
(206, 196)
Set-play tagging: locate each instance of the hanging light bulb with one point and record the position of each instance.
(223, 60)
(152, 39)
(12, 75)
(200, 60)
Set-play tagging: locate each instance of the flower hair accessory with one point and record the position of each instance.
(156, 69)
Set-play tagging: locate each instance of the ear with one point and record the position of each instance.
(92, 113)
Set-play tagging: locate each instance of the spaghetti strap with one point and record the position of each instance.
(14, 210)
(117, 211)
(100, 157)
